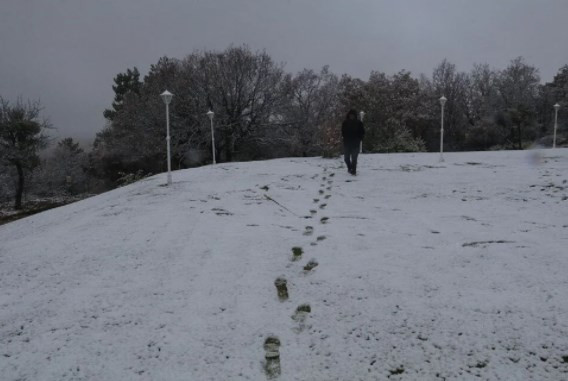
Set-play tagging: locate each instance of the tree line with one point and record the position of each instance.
(261, 111)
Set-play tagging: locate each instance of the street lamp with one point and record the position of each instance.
(443, 100)
(211, 114)
(167, 97)
(556, 107)
(361, 116)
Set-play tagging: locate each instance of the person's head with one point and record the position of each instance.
(351, 115)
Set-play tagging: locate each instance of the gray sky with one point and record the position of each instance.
(67, 52)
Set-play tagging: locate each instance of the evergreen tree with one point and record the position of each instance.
(125, 84)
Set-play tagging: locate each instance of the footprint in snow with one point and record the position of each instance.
(222, 212)
(310, 265)
(300, 317)
(281, 288)
(297, 253)
(272, 357)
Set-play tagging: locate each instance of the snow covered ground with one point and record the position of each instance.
(426, 270)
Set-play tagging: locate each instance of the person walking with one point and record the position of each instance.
(353, 132)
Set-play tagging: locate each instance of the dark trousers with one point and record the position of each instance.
(351, 152)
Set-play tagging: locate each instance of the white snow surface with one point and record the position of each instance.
(427, 270)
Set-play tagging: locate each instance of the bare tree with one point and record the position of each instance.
(518, 87)
(447, 81)
(311, 107)
(244, 89)
(21, 138)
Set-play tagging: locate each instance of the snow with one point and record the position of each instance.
(426, 270)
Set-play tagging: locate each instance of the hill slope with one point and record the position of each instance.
(425, 270)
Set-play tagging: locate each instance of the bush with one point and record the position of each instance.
(331, 140)
(398, 138)
(129, 178)
(6, 184)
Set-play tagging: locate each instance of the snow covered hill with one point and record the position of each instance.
(425, 271)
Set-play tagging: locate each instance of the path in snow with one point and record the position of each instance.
(272, 364)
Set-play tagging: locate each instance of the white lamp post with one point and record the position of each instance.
(361, 116)
(556, 107)
(210, 114)
(442, 102)
(167, 97)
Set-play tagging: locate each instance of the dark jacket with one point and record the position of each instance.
(352, 130)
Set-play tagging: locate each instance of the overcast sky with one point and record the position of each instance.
(67, 52)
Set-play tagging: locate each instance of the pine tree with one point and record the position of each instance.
(125, 84)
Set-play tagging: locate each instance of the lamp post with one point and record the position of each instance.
(361, 116)
(556, 107)
(442, 102)
(210, 114)
(167, 97)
